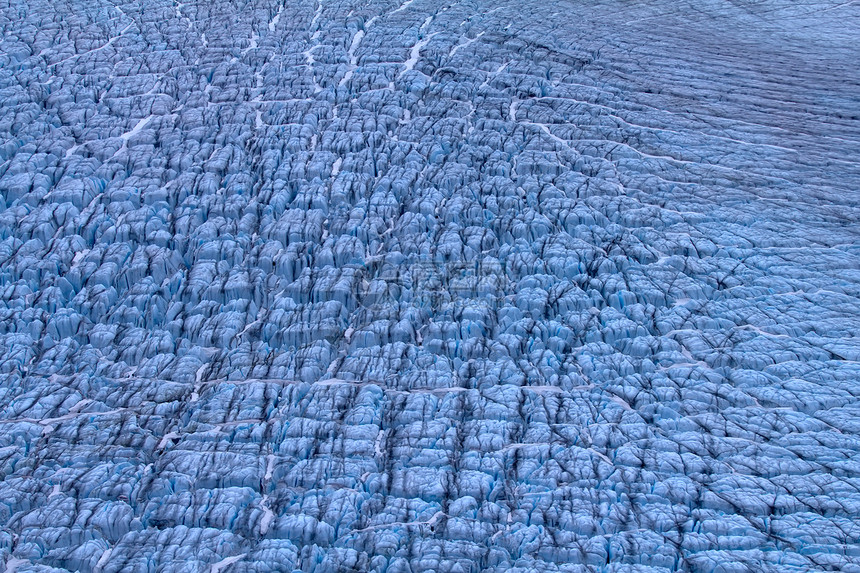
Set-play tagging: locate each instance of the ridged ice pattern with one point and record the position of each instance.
(429, 286)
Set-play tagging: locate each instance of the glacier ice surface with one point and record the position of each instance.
(330, 285)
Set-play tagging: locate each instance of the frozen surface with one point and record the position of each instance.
(429, 286)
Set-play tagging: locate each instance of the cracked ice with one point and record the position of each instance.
(429, 286)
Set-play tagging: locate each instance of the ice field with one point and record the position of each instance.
(448, 286)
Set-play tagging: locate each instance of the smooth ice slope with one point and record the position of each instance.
(429, 286)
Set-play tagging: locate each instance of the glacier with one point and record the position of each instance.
(429, 285)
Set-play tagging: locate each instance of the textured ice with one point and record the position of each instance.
(429, 286)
